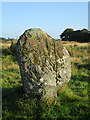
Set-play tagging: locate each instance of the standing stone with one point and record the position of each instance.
(45, 65)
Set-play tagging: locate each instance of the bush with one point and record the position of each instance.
(13, 48)
(6, 52)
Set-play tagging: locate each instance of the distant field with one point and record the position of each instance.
(67, 43)
(72, 101)
(7, 44)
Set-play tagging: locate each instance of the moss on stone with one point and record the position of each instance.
(41, 45)
(41, 58)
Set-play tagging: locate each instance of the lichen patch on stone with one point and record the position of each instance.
(43, 62)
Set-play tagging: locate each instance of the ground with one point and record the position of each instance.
(72, 101)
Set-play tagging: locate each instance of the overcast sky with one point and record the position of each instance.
(51, 17)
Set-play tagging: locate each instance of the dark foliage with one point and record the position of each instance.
(13, 48)
(78, 35)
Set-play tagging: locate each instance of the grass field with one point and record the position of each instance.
(72, 102)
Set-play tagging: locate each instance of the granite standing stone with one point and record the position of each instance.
(45, 65)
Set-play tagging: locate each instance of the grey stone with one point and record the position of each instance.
(45, 65)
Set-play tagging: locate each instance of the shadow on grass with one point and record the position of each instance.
(81, 66)
(80, 77)
(12, 91)
(16, 104)
(7, 51)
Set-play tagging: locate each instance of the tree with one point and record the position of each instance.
(78, 35)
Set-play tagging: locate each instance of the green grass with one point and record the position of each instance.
(72, 102)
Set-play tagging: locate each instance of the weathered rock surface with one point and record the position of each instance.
(45, 65)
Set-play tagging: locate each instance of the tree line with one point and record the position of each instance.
(78, 35)
(68, 35)
(5, 40)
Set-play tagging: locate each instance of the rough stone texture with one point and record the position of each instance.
(45, 65)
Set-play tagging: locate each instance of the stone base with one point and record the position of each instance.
(50, 92)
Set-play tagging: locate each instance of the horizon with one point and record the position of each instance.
(1, 37)
(52, 18)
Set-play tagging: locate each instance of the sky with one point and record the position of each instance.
(51, 17)
(89, 15)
